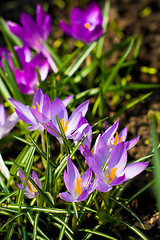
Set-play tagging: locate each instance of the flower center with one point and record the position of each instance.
(116, 139)
(30, 186)
(87, 25)
(79, 186)
(111, 175)
(37, 106)
(64, 126)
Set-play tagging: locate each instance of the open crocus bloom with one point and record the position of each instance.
(110, 167)
(41, 103)
(30, 190)
(86, 25)
(112, 138)
(6, 125)
(79, 187)
(69, 125)
(33, 32)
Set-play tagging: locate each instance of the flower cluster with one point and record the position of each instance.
(108, 157)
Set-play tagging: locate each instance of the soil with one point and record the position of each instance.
(128, 17)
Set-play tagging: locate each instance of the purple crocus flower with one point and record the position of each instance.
(115, 172)
(111, 136)
(30, 190)
(6, 124)
(69, 124)
(42, 104)
(86, 25)
(33, 32)
(27, 78)
(79, 187)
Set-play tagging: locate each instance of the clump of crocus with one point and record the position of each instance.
(30, 190)
(110, 166)
(6, 124)
(79, 187)
(32, 33)
(42, 106)
(86, 25)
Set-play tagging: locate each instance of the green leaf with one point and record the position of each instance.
(129, 210)
(134, 229)
(54, 55)
(8, 35)
(13, 85)
(113, 73)
(35, 226)
(130, 105)
(105, 23)
(156, 157)
(77, 63)
(38, 229)
(96, 233)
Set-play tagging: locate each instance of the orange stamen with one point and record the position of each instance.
(79, 186)
(37, 106)
(121, 138)
(116, 139)
(87, 25)
(30, 186)
(64, 126)
(112, 175)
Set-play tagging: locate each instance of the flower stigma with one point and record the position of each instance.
(79, 186)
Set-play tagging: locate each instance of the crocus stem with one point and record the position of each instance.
(61, 150)
(90, 75)
(105, 196)
(43, 148)
(74, 222)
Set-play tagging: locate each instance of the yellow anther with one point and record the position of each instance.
(121, 138)
(79, 186)
(64, 126)
(112, 174)
(30, 186)
(87, 25)
(37, 106)
(116, 139)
